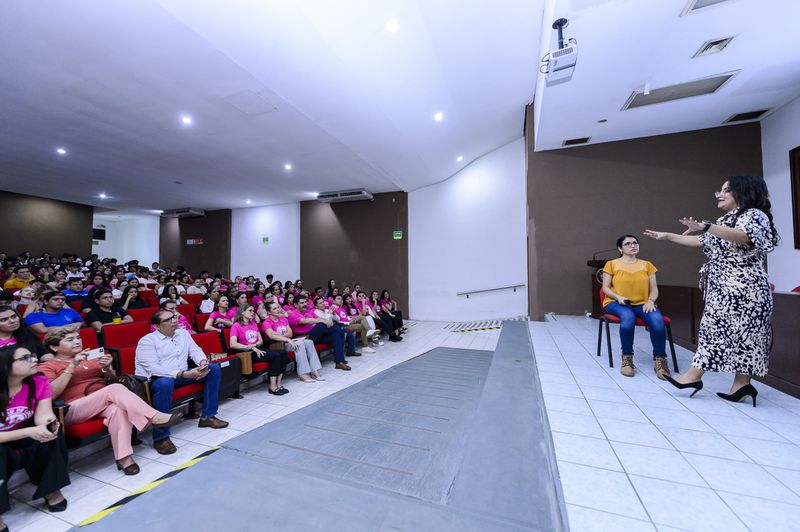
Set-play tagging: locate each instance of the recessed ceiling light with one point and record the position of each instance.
(61, 151)
(459, 159)
(247, 201)
(392, 26)
(287, 166)
(186, 120)
(438, 116)
(102, 195)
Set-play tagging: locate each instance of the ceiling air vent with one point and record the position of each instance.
(575, 142)
(696, 5)
(712, 47)
(188, 212)
(679, 91)
(344, 195)
(743, 117)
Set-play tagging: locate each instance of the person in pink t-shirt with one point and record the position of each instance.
(304, 320)
(29, 431)
(366, 308)
(288, 303)
(277, 293)
(222, 317)
(277, 329)
(352, 324)
(389, 306)
(245, 337)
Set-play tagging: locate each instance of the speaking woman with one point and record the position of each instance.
(735, 332)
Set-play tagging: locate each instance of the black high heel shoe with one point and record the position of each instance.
(748, 390)
(697, 385)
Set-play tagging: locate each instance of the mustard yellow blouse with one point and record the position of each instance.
(630, 280)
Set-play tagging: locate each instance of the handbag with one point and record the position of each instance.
(131, 383)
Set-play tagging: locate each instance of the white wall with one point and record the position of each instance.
(780, 132)
(469, 233)
(129, 238)
(281, 256)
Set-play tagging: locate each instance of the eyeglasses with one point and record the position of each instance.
(27, 358)
(174, 317)
(629, 244)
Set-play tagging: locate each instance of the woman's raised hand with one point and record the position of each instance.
(655, 234)
(692, 225)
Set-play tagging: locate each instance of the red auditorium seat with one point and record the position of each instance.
(187, 310)
(194, 300)
(200, 320)
(124, 334)
(610, 318)
(142, 314)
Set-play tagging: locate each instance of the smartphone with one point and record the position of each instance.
(95, 353)
(53, 426)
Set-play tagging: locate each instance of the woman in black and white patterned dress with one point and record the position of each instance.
(735, 331)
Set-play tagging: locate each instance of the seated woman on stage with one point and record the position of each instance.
(84, 384)
(630, 288)
(30, 436)
(245, 337)
(277, 329)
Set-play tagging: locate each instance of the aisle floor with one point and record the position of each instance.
(96, 482)
(636, 454)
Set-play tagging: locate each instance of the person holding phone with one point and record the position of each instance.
(631, 291)
(85, 380)
(162, 356)
(30, 436)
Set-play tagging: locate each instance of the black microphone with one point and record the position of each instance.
(594, 255)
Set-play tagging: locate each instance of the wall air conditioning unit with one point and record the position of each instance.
(344, 195)
(183, 213)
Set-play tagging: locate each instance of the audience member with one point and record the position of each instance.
(130, 298)
(21, 278)
(14, 332)
(106, 312)
(222, 317)
(162, 357)
(276, 327)
(245, 337)
(303, 320)
(54, 314)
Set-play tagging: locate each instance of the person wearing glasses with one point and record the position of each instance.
(162, 356)
(246, 337)
(735, 332)
(631, 291)
(30, 436)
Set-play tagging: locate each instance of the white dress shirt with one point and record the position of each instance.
(166, 356)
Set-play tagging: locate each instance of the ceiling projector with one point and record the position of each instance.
(559, 65)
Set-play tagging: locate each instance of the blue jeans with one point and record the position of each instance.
(162, 388)
(321, 334)
(350, 337)
(627, 323)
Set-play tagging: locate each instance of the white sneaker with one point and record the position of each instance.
(368, 350)
(377, 342)
(373, 332)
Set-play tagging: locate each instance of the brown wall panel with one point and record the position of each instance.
(581, 199)
(352, 242)
(41, 225)
(214, 254)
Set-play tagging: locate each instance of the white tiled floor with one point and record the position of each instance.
(96, 483)
(637, 454)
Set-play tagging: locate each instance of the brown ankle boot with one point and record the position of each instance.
(627, 367)
(661, 367)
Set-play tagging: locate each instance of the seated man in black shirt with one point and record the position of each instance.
(106, 311)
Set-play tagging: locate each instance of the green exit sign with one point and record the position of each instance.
(397, 235)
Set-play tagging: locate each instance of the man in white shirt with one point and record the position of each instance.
(197, 288)
(162, 357)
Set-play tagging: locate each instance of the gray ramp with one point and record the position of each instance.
(425, 445)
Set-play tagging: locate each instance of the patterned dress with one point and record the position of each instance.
(735, 331)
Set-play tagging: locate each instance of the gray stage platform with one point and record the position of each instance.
(454, 439)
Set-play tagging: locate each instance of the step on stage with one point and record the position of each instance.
(454, 439)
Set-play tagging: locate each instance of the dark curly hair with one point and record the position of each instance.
(750, 192)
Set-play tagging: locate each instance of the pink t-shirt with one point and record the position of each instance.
(8, 341)
(17, 411)
(360, 307)
(257, 300)
(280, 299)
(386, 303)
(227, 316)
(328, 302)
(279, 326)
(288, 308)
(294, 320)
(344, 317)
(246, 334)
(242, 287)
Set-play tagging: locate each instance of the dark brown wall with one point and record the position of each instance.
(213, 255)
(43, 225)
(352, 242)
(581, 199)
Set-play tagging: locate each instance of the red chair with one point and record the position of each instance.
(77, 306)
(187, 310)
(124, 334)
(200, 320)
(194, 300)
(180, 396)
(208, 342)
(79, 434)
(21, 308)
(610, 318)
(88, 338)
(142, 314)
(149, 296)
